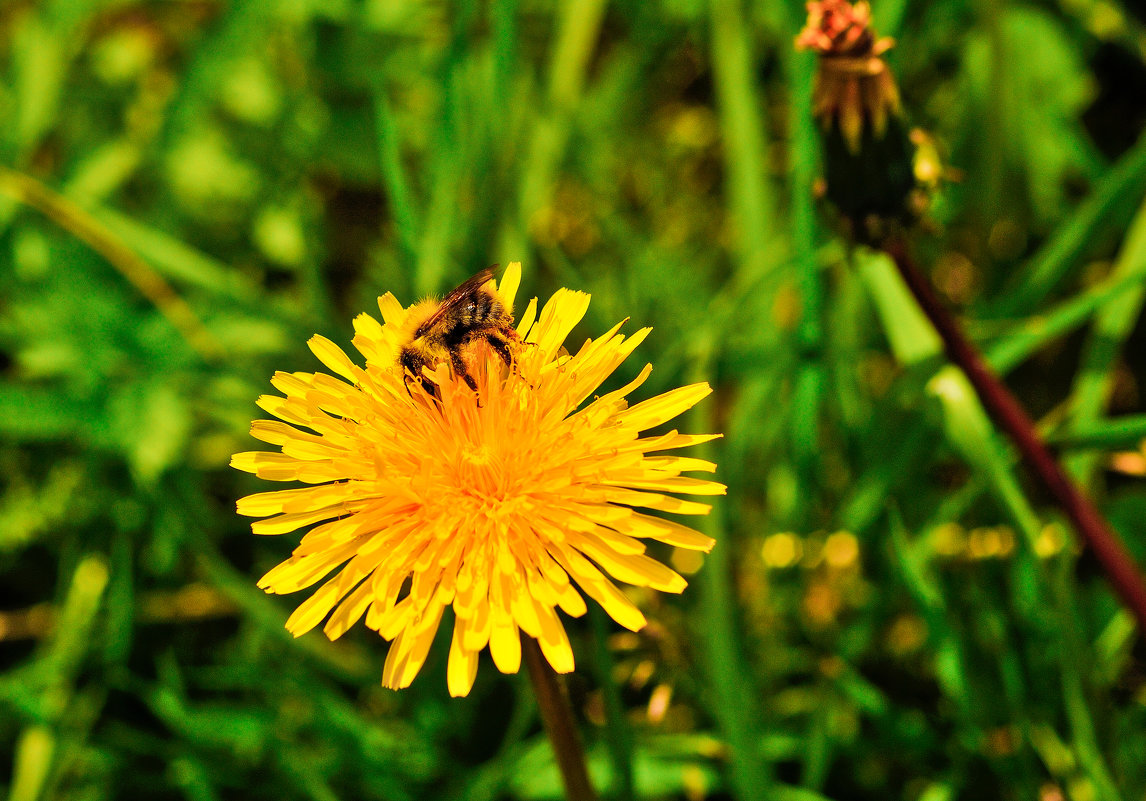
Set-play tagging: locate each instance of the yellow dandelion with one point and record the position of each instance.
(504, 505)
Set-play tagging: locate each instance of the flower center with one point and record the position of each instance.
(478, 455)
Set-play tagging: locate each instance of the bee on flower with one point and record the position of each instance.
(501, 488)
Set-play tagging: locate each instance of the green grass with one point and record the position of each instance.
(191, 189)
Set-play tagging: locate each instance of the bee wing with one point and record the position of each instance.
(457, 297)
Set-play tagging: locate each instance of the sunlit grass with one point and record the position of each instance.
(890, 610)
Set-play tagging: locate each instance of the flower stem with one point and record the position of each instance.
(558, 719)
(618, 734)
(1121, 571)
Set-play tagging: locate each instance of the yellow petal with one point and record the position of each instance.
(685, 484)
(294, 385)
(392, 311)
(463, 664)
(524, 613)
(313, 609)
(367, 326)
(280, 467)
(286, 523)
(636, 569)
(666, 531)
(510, 281)
(349, 611)
(609, 400)
(282, 408)
(672, 441)
(558, 317)
(328, 535)
(617, 542)
(505, 644)
(679, 464)
(655, 411)
(650, 500)
(333, 357)
(300, 572)
(571, 601)
(525, 323)
(393, 621)
(410, 662)
(553, 640)
(263, 504)
(478, 627)
(248, 461)
(614, 602)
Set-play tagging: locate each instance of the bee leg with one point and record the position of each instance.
(500, 345)
(500, 340)
(461, 371)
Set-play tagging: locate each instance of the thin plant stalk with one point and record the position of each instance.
(558, 719)
(618, 734)
(732, 687)
(1117, 563)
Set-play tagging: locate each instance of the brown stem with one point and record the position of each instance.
(558, 720)
(1120, 569)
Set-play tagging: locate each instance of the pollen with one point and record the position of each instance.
(479, 456)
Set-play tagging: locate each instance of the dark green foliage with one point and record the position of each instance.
(891, 612)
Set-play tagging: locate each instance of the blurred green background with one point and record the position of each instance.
(191, 188)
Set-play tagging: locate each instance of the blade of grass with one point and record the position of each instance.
(750, 196)
(76, 221)
(240, 23)
(1107, 208)
(1113, 324)
(912, 338)
(577, 32)
(1121, 571)
(809, 331)
(397, 188)
(178, 261)
(731, 687)
(40, 749)
(1029, 336)
(1109, 434)
(868, 496)
(1075, 675)
(448, 165)
(618, 735)
(969, 429)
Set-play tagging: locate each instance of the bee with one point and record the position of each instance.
(443, 332)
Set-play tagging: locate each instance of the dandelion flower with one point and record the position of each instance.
(853, 83)
(869, 169)
(504, 505)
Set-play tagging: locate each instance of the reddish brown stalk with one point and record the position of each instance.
(558, 720)
(1119, 566)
